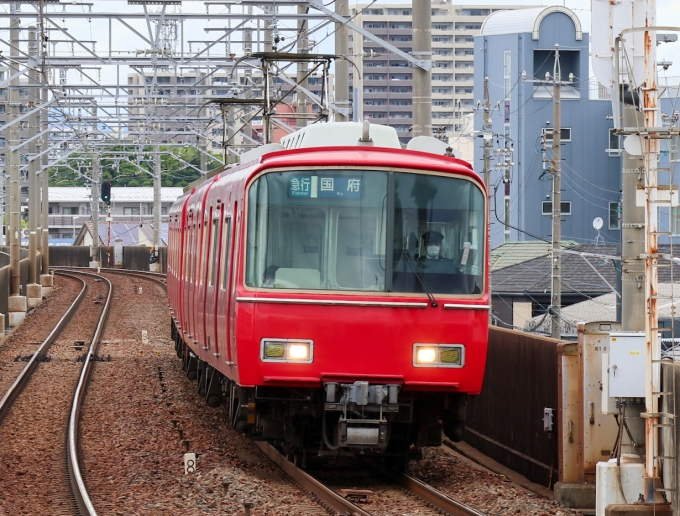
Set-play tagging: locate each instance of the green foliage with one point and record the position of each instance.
(124, 166)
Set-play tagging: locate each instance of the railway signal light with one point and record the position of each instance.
(106, 192)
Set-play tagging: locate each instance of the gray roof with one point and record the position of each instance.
(129, 233)
(512, 253)
(169, 194)
(577, 276)
(519, 21)
(601, 308)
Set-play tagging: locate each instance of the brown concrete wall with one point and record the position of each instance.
(505, 421)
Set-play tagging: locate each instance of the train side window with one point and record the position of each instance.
(192, 263)
(214, 241)
(226, 241)
(202, 257)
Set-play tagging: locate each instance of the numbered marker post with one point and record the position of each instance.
(189, 463)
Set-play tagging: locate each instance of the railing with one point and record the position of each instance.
(79, 220)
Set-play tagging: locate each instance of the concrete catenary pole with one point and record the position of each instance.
(422, 80)
(632, 235)
(303, 48)
(156, 197)
(45, 183)
(33, 190)
(14, 159)
(650, 155)
(95, 192)
(342, 65)
(556, 283)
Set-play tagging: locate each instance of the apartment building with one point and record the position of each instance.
(384, 93)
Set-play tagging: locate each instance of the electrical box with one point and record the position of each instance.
(627, 365)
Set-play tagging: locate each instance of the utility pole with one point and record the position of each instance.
(632, 235)
(422, 80)
(556, 283)
(651, 154)
(342, 65)
(487, 136)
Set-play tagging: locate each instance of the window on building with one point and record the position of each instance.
(374, 64)
(614, 215)
(69, 210)
(401, 89)
(565, 134)
(565, 208)
(442, 26)
(374, 89)
(507, 82)
(468, 26)
(442, 39)
(399, 64)
(473, 12)
(374, 25)
(131, 211)
(404, 114)
(401, 25)
(400, 77)
(375, 77)
(399, 12)
(372, 102)
(373, 12)
(400, 102)
(442, 51)
(401, 38)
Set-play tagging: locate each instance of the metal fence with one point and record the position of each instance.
(505, 421)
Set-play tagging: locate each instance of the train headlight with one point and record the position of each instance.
(426, 355)
(438, 355)
(287, 350)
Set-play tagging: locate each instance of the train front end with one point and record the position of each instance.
(363, 299)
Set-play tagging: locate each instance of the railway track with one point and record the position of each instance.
(402, 488)
(40, 410)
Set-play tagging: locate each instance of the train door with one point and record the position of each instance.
(212, 286)
(200, 280)
(232, 290)
(206, 265)
(221, 312)
(195, 229)
(186, 272)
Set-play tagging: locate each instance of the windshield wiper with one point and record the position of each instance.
(421, 280)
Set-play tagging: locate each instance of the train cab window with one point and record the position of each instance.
(365, 230)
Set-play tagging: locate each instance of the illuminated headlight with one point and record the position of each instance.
(438, 355)
(287, 350)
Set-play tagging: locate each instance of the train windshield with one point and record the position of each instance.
(365, 230)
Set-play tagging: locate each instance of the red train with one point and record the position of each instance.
(333, 292)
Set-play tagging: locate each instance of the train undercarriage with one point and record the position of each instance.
(342, 419)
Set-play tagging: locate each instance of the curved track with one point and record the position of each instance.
(78, 491)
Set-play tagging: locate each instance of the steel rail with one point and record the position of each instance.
(78, 487)
(26, 373)
(436, 498)
(325, 494)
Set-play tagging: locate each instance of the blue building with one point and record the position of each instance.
(514, 51)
